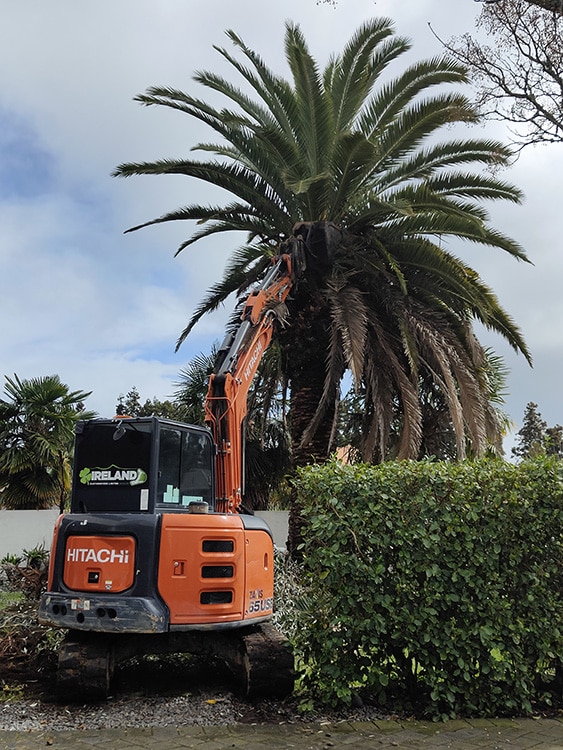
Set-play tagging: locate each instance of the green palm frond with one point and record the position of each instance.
(415, 124)
(472, 186)
(393, 97)
(350, 77)
(245, 267)
(314, 124)
(274, 91)
(37, 420)
(426, 162)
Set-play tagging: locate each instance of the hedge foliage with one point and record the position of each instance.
(438, 583)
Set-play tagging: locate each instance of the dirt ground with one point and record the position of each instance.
(28, 665)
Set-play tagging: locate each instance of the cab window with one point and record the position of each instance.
(184, 469)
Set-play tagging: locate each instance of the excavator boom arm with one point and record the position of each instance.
(236, 364)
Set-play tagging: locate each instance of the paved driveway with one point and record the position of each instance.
(540, 734)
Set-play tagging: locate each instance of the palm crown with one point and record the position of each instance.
(356, 151)
(37, 421)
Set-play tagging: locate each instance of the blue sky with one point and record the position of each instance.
(26, 167)
(103, 309)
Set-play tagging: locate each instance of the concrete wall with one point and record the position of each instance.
(277, 520)
(25, 529)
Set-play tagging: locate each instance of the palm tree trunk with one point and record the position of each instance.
(304, 402)
(305, 353)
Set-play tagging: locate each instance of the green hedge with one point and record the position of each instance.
(438, 584)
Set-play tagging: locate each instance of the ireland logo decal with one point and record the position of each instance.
(112, 475)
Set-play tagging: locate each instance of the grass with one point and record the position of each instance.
(9, 693)
(8, 598)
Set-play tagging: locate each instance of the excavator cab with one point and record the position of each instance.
(143, 549)
(144, 465)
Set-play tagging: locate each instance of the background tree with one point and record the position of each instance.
(554, 6)
(191, 387)
(352, 164)
(130, 405)
(531, 436)
(520, 72)
(554, 441)
(535, 438)
(37, 419)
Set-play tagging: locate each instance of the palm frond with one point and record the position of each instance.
(382, 109)
(314, 123)
(245, 267)
(426, 162)
(351, 76)
(349, 315)
(417, 123)
(276, 93)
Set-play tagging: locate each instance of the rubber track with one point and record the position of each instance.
(268, 664)
(85, 667)
(261, 660)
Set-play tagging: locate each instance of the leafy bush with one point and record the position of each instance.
(26, 573)
(438, 582)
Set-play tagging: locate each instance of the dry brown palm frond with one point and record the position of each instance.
(473, 403)
(379, 392)
(404, 386)
(437, 360)
(411, 433)
(454, 362)
(349, 316)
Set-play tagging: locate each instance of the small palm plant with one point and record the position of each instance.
(37, 420)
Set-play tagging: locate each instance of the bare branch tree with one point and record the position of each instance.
(555, 6)
(519, 75)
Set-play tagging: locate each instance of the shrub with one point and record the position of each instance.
(438, 582)
(26, 573)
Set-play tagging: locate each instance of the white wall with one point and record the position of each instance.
(25, 529)
(277, 520)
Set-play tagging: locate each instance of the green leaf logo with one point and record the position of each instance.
(85, 476)
(141, 477)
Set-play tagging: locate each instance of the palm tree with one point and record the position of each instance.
(349, 160)
(36, 436)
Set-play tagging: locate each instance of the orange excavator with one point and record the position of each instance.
(155, 555)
